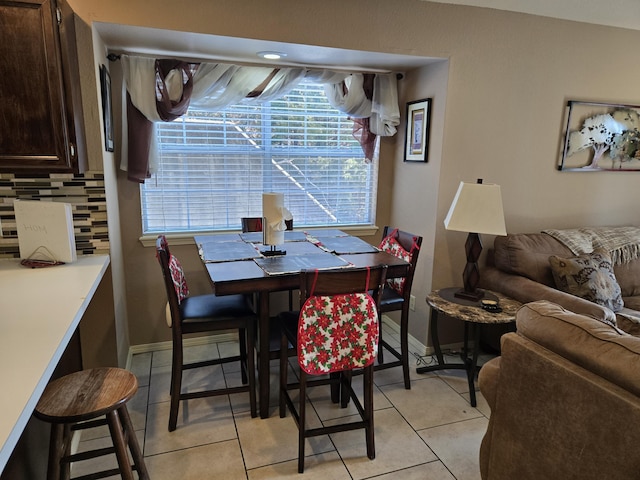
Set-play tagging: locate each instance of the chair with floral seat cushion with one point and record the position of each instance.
(396, 297)
(200, 314)
(337, 332)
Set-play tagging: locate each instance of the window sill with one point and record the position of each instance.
(187, 238)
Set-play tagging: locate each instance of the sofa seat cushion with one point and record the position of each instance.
(596, 346)
(527, 254)
(589, 276)
(628, 319)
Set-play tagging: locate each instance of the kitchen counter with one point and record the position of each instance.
(39, 311)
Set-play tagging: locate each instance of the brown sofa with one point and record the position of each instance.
(564, 399)
(518, 266)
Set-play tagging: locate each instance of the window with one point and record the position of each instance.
(214, 166)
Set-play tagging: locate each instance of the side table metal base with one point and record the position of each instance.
(469, 364)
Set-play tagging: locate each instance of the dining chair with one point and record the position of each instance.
(199, 314)
(396, 296)
(336, 332)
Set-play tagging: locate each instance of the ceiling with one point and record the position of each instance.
(614, 13)
(150, 41)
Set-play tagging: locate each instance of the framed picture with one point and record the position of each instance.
(600, 137)
(417, 141)
(107, 115)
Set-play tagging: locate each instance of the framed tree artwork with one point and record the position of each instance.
(600, 136)
(417, 137)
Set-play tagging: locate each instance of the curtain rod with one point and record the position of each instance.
(112, 57)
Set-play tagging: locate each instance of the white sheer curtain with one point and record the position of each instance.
(216, 86)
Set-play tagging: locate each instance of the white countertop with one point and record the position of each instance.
(39, 312)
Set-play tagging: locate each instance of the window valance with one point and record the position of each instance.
(163, 89)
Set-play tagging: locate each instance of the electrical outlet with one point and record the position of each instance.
(412, 303)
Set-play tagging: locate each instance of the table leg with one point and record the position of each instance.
(469, 364)
(263, 356)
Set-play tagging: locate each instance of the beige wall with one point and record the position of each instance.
(499, 118)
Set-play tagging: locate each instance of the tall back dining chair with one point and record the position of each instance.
(199, 314)
(336, 333)
(396, 296)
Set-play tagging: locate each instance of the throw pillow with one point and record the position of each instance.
(589, 276)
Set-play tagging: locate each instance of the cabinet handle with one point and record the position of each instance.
(72, 150)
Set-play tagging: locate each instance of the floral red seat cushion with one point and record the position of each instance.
(179, 280)
(391, 245)
(338, 332)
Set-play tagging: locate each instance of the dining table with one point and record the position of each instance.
(239, 263)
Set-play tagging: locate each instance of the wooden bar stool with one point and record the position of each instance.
(75, 402)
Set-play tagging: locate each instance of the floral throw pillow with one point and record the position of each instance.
(391, 245)
(179, 281)
(589, 276)
(338, 332)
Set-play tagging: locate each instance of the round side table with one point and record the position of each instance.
(473, 315)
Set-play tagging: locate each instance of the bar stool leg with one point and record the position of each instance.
(119, 445)
(134, 448)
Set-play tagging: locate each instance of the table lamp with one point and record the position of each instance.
(476, 208)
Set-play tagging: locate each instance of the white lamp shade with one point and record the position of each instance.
(476, 208)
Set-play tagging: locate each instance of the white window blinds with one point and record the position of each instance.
(214, 167)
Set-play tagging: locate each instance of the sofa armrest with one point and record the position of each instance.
(525, 290)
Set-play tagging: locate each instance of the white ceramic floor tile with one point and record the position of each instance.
(458, 446)
(397, 446)
(193, 380)
(221, 460)
(274, 439)
(320, 396)
(200, 421)
(430, 402)
(99, 464)
(324, 466)
(141, 367)
(193, 353)
(429, 471)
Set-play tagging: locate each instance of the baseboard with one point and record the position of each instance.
(415, 345)
(188, 342)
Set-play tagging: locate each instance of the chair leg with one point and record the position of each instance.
(345, 388)
(380, 347)
(404, 344)
(302, 422)
(251, 367)
(176, 384)
(242, 339)
(57, 449)
(284, 345)
(368, 410)
(118, 443)
(134, 448)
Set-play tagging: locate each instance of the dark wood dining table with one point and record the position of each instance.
(235, 269)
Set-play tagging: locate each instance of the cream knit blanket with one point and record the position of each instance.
(622, 243)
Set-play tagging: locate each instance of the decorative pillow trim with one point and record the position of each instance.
(589, 276)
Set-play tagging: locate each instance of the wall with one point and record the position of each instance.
(509, 77)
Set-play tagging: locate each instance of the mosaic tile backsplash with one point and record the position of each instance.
(85, 193)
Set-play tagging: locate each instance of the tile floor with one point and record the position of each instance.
(430, 432)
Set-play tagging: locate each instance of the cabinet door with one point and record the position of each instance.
(35, 133)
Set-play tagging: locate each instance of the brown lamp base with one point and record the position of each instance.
(471, 296)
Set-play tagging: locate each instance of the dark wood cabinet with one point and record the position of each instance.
(40, 104)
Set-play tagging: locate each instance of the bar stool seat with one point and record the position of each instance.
(76, 402)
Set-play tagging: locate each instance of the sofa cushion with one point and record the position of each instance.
(589, 276)
(591, 344)
(527, 254)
